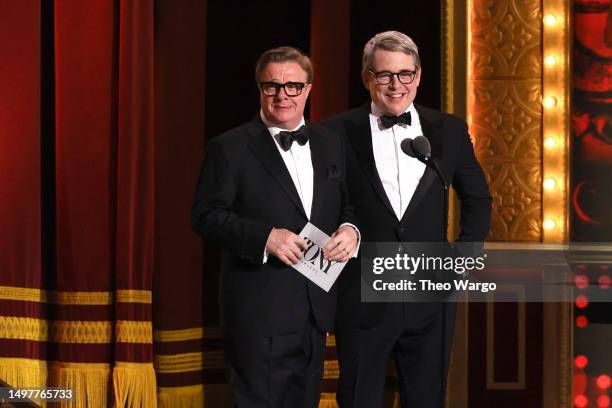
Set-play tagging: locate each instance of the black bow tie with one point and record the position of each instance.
(286, 138)
(389, 121)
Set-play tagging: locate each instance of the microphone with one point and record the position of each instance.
(420, 149)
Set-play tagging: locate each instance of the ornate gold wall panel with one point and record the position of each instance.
(505, 111)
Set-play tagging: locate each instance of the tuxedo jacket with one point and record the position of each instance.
(423, 220)
(244, 190)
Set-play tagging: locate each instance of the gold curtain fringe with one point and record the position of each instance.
(89, 383)
(134, 385)
(181, 397)
(23, 372)
(328, 400)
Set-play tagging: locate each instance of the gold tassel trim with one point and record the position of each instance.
(178, 363)
(75, 331)
(81, 298)
(89, 383)
(132, 331)
(192, 333)
(191, 396)
(181, 363)
(75, 297)
(79, 331)
(328, 400)
(23, 328)
(23, 372)
(134, 385)
(22, 294)
(134, 296)
(331, 370)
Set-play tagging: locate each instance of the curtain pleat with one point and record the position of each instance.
(23, 328)
(179, 106)
(76, 284)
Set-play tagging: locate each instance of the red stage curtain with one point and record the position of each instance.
(122, 141)
(22, 349)
(179, 121)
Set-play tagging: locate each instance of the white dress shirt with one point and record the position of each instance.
(399, 173)
(299, 164)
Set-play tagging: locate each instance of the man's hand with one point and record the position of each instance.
(342, 245)
(286, 246)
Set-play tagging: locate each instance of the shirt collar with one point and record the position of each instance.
(376, 113)
(274, 130)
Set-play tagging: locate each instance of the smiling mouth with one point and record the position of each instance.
(395, 95)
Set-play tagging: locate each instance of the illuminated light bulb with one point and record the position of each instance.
(550, 142)
(581, 401)
(550, 183)
(550, 19)
(550, 61)
(604, 281)
(581, 281)
(550, 224)
(549, 102)
(581, 361)
(603, 381)
(582, 322)
(603, 401)
(582, 301)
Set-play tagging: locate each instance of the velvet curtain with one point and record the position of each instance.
(95, 190)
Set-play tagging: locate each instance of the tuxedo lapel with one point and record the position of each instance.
(318, 155)
(360, 137)
(431, 130)
(264, 148)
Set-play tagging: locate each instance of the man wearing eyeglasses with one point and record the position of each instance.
(260, 184)
(398, 198)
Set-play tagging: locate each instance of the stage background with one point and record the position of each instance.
(105, 110)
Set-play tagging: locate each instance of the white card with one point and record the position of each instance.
(313, 265)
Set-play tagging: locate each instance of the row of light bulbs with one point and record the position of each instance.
(552, 61)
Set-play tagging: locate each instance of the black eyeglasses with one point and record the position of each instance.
(273, 88)
(385, 77)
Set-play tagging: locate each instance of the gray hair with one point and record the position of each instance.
(389, 41)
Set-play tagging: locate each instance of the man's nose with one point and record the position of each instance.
(281, 94)
(394, 81)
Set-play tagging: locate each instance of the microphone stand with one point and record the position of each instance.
(434, 164)
(422, 152)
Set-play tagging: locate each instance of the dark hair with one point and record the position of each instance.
(284, 54)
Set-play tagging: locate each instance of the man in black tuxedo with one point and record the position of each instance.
(399, 199)
(260, 184)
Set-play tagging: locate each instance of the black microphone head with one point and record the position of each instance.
(422, 147)
(406, 147)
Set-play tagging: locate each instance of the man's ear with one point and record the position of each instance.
(308, 88)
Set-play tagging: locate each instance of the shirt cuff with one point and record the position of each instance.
(358, 237)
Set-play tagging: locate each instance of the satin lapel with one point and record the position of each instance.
(430, 131)
(265, 150)
(360, 137)
(318, 155)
